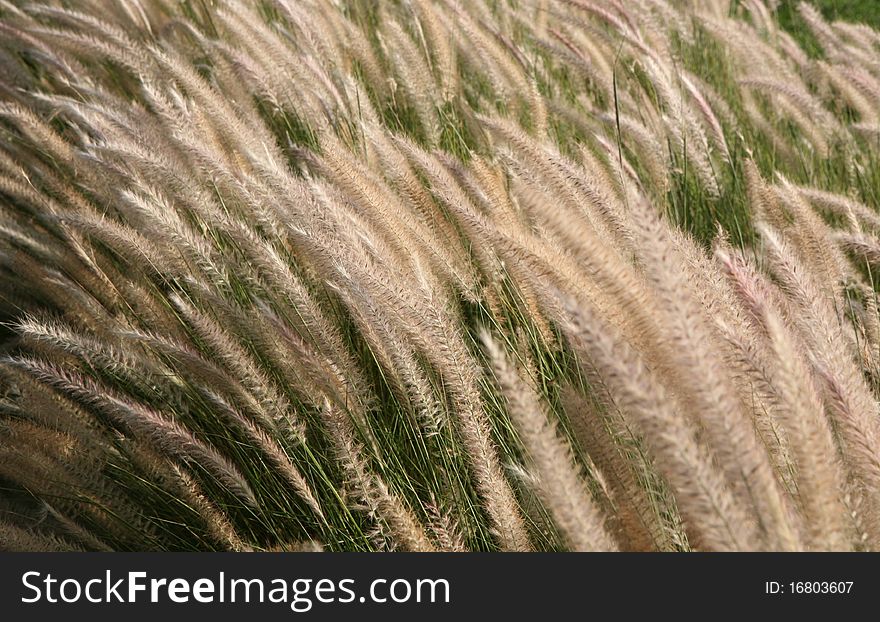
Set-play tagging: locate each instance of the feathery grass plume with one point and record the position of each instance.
(240, 363)
(429, 320)
(218, 525)
(810, 436)
(442, 52)
(704, 382)
(77, 532)
(812, 236)
(414, 81)
(842, 206)
(445, 531)
(846, 392)
(273, 451)
(711, 513)
(860, 245)
(167, 435)
(751, 361)
(638, 516)
(397, 524)
(851, 89)
(20, 539)
(560, 485)
(176, 481)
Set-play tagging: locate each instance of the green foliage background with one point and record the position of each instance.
(865, 11)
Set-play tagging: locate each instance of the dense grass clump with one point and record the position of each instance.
(438, 275)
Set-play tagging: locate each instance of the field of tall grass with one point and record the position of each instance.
(438, 275)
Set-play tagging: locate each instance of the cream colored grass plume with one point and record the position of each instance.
(438, 275)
